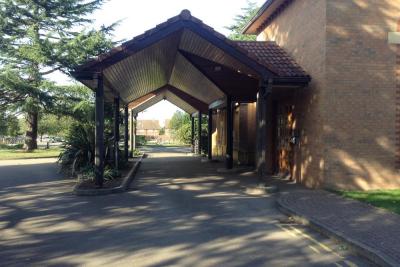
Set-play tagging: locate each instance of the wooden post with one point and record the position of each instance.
(135, 129)
(192, 136)
(99, 132)
(116, 132)
(126, 133)
(132, 133)
(199, 133)
(263, 99)
(229, 133)
(210, 134)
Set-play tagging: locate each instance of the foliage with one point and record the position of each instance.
(53, 125)
(240, 22)
(136, 152)
(162, 131)
(181, 125)
(38, 38)
(79, 147)
(387, 199)
(140, 140)
(9, 125)
(10, 147)
(88, 173)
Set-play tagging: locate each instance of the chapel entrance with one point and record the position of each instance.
(285, 134)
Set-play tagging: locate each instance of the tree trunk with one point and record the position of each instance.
(32, 131)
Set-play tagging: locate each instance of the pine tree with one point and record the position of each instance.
(241, 20)
(37, 38)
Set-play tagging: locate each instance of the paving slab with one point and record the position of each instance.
(371, 231)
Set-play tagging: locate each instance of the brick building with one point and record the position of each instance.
(348, 116)
(316, 98)
(150, 129)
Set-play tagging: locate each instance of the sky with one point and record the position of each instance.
(137, 16)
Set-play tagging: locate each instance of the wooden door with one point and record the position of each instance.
(285, 128)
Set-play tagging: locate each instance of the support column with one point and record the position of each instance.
(210, 134)
(116, 132)
(132, 133)
(199, 133)
(126, 133)
(229, 133)
(192, 136)
(99, 138)
(264, 101)
(135, 128)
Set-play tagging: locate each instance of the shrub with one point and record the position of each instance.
(141, 140)
(78, 148)
(79, 152)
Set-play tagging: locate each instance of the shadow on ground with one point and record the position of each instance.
(179, 212)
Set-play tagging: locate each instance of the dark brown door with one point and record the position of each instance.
(285, 126)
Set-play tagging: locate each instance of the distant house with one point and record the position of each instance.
(148, 128)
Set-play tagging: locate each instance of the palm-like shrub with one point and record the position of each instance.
(79, 145)
(78, 148)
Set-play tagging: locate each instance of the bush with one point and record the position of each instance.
(78, 148)
(78, 154)
(16, 146)
(141, 140)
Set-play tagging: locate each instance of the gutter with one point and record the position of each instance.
(261, 11)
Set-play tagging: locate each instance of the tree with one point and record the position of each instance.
(241, 20)
(181, 126)
(53, 125)
(9, 125)
(37, 38)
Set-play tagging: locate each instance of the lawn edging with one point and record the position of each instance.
(127, 180)
(359, 248)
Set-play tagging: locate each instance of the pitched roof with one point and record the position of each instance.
(271, 54)
(148, 125)
(256, 51)
(127, 48)
(267, 12)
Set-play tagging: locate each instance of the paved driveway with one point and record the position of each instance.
(179, 212)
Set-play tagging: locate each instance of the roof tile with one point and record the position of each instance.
(274, 57)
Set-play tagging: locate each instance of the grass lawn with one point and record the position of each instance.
(387, 199)
(21, 154)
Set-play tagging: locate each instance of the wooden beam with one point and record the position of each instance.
(199, 132)
(229, 133)
(132, 133)
(210, 134)
(99, 132)
(191, 100)
(116, 133)
(126, 133)
(192, 135)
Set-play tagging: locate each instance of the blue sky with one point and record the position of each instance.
(140, 15)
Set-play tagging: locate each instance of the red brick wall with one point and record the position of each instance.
(398, 100)
(350, 132)
(359, 100)
(304, 39)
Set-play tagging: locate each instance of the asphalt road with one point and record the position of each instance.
(180, 212)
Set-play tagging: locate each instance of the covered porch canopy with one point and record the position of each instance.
(195, 65)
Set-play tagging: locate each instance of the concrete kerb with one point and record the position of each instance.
(127, 180)
(355, 246)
